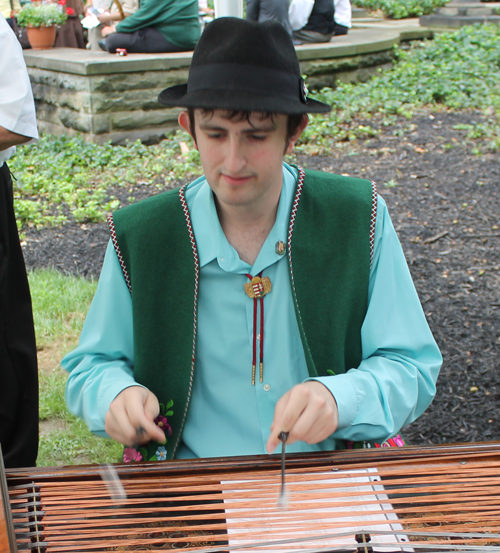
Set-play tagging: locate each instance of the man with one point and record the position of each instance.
(256, 299)
(18, 364)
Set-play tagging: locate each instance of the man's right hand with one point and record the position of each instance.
(130, 418)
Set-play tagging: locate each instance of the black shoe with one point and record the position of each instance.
(102, 45)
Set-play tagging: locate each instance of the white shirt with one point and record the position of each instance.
(342, 13)
(17, 107)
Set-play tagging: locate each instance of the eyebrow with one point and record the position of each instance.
(252, 130)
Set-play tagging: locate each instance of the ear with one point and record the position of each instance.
(296, 135)
(185, 123)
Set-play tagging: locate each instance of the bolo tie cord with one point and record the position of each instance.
(256, 301)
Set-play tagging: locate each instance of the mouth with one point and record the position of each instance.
(236, 181)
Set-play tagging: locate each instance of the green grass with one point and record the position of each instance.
(59, 305)
(61, 175)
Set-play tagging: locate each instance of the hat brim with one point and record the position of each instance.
(178, 96)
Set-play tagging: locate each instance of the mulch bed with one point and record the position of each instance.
(445, 205)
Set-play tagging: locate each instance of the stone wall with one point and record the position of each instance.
(107, 97)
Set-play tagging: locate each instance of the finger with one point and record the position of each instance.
(288, 409)
(142, 419)
(127, 414)
(118, 425)
(152, 410)
(319, 418)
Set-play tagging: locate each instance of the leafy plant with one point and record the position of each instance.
(400, 9)
(61, 178)
(41, 14)
(458, 71)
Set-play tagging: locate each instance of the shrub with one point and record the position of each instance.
(400, 9)
(41, 14)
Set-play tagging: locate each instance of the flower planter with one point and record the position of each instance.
(41, 38)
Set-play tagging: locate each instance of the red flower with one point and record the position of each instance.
(70, 11)
(161, 421)
(62, 2)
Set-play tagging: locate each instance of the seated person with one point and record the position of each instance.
(119, 10)
(157, 26)
(70, 34)
(327, 19)
(265, 10)
(259, 298)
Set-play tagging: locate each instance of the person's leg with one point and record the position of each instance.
(18, 363)
(253, 8)
(145, 41)
(302, 36)
(340, 30)
(277, 10)
(94, 37)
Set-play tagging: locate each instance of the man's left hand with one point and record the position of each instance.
(308, 412)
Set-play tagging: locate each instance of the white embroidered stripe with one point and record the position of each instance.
(373, 220)
(195, 321)
(112, 231)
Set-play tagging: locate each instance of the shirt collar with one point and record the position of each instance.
(211, 241)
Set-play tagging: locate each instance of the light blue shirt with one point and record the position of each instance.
(392, 386)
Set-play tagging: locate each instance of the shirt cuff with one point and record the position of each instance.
(342, 389)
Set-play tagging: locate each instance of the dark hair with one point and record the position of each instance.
(293, 122)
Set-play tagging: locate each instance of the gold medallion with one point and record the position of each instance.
(258, 287)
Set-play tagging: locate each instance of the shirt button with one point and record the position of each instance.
(267, 387)
(258, 337)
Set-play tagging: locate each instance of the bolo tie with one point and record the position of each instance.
(256, 289)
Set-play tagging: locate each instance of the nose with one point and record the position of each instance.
(235, 156)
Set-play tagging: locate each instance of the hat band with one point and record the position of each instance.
(244, 78)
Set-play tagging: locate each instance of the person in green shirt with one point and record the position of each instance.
(157, 26)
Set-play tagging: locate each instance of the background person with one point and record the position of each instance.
(157, 26)
(70, 35)
(18, 363)
(118, 11)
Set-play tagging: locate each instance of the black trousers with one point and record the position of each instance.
(18, 364)
(264, 10)
(144, 41)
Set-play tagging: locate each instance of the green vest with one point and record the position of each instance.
(329, 253)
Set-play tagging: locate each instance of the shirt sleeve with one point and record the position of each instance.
(17, 107)
(396, 380)
(343, 12)
(102, 365)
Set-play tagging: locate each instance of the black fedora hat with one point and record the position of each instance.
(244, 65)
